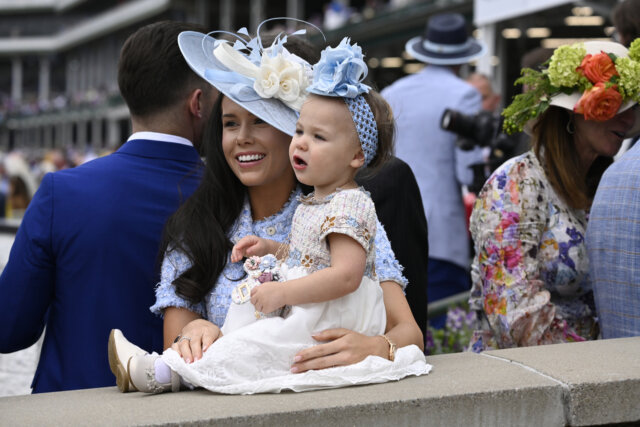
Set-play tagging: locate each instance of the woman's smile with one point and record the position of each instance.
(249, 159)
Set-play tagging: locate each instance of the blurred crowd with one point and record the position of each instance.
(336, 14)
(21, 173)
(31, 105)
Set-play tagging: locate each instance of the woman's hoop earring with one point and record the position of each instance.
(571, 128)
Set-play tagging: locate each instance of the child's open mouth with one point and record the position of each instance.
(298, 163)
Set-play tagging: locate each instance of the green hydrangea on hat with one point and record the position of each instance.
(595, 79)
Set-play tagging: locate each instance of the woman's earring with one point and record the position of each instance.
(570, 127)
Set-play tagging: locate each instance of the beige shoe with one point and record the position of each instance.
(120, 352)
(142, 374)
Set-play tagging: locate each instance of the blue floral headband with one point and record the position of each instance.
(340, 73)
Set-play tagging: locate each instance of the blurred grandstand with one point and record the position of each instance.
(58, 58)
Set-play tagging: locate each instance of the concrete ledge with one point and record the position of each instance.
(569, 384)
(601, 379)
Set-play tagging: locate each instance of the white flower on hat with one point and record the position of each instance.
(282, 76)
(267, 81)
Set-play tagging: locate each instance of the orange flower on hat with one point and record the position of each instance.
(597, 68)
(599, 103)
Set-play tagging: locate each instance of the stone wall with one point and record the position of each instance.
(587, 383)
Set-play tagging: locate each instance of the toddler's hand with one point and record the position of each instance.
(268, 297)
(248, 246)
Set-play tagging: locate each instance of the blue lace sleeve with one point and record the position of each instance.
(387, 267)
(173, 264)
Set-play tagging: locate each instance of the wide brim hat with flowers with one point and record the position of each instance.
(446, 42)
(598, 79)
(269, 83)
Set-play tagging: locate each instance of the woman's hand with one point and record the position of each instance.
(195, 338)
(344, 347)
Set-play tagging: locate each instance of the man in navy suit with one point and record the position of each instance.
(85, 257)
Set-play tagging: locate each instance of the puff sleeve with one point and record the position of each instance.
(354, 214)
(173, 265)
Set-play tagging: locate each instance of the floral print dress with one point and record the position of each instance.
(530, 270)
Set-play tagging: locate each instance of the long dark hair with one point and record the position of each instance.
(200, 226)
(556, 149)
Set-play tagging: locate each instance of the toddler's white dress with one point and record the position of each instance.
(255, 356)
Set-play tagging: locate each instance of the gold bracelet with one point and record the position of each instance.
(392, 348)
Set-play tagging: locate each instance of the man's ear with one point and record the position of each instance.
(358, 159)
(195, 103)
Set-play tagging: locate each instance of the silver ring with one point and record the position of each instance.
(184, 338)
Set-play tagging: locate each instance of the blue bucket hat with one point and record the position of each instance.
(446, 42)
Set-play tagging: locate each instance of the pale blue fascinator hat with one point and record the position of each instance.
(269, 82)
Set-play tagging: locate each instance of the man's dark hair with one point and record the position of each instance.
(152, 73)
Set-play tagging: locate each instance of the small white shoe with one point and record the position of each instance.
(120, 353)
(142, 374)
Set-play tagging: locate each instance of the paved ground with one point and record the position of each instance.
(16, 370)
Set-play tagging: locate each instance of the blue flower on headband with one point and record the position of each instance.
(340, 71)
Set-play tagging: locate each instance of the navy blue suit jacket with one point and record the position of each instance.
(84, 261)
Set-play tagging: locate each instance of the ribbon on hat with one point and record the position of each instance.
(235, 61)
(242, 90)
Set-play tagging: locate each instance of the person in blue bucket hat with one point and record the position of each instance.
(441, 168)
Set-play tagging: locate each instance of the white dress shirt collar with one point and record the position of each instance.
(156, 136)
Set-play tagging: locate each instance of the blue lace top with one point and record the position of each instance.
(276, 227)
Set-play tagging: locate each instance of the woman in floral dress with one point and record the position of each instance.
(530, 271)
